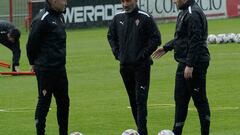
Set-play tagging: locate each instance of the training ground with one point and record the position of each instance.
(99, 103)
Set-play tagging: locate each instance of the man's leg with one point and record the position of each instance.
(127, 74)
(182, 98)
(44, 101)
(200, 97)
(142, 75)
(62, 101)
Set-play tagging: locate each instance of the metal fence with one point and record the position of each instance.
(4, 10)
(19, 11)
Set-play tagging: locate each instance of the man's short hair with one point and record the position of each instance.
(48, 1)
(15, 33)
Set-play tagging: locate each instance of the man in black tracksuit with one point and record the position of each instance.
(133, 37)
(191, 52)
(9, 37)
(46, 51)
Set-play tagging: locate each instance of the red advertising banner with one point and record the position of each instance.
(238, 7)
(233, 8)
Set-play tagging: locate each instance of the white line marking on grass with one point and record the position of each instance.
(2, 110)
(228, 54)
(190, 108)
(19, 110)
(158, 105)
(217, 108)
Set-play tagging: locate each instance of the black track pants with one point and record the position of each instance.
(136, 80)
(195, 88)
(52, 83)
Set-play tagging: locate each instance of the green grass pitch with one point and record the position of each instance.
(98, 98)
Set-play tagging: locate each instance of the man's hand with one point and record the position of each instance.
(32, 68)
(188, 72)
(16, 68)
(158, 53)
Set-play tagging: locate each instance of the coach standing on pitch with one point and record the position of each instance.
(9, 37)
(192, 55)
(133, 37)
(46, 50)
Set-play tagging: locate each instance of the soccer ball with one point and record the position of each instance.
(226, 38)
(212, 39)
(130, 132)
(237, 38)
(76, 133)
(219, 38)
(231, 37)
(166, 132)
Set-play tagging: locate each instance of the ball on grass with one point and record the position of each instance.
(166, 132)
(130, 132)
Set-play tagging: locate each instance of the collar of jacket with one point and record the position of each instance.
(50, 10)
(187, 4)
(134, 12)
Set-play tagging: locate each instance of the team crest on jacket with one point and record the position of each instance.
(137, 22)
(44, 92)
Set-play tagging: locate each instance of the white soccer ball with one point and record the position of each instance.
(130, 132)
(231, 36)
(166, 132)
(76, 133)
(226, 38)
(212, 39)
(219, 38)
(237, 38)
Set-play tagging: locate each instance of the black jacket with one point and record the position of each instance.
(189, 43)
(46, 47)
(5, 28)
(133, 37)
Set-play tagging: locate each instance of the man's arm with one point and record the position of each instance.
(195, 28)
(163, 50)
(169, 45)
(16, 55)
(33, 41)
(113, 39)
(154, 38)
